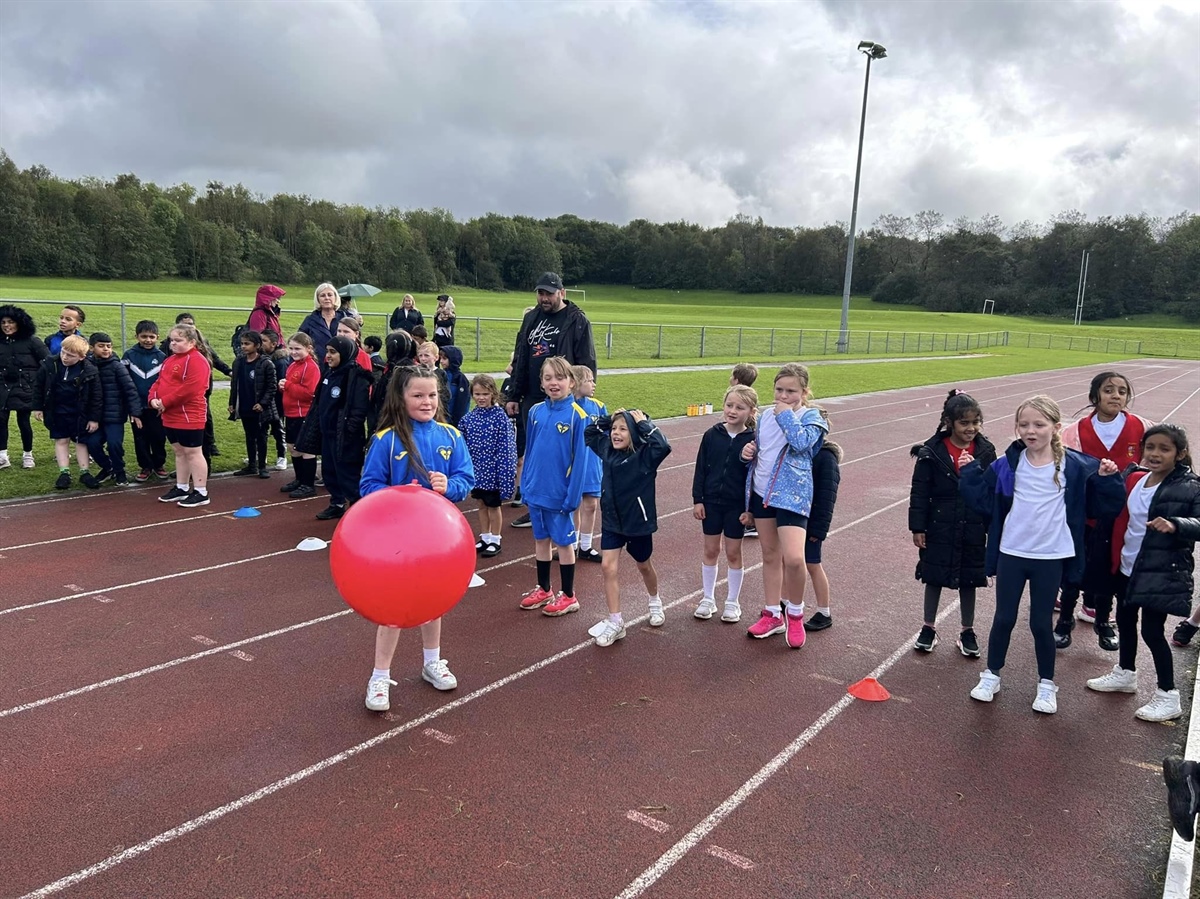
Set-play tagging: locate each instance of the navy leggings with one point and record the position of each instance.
(1043, 577)
(1154, 633)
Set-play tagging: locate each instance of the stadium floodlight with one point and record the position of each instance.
(871, 50)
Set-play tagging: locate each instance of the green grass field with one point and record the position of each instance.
(726, 319)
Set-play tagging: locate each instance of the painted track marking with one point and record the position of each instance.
(646, 821)
(732, 857)
(438, 735)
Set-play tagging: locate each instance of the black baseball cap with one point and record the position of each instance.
(549, 281)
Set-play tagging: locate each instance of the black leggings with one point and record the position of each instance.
(256, 439)
(1043, 577)
(23, 426)
(1154, 633)
(966, 604)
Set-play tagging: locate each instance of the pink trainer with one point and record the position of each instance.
(768, 625)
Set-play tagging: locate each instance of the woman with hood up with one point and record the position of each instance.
(20, 355)
(265, 316)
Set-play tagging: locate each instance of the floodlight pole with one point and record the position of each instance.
(872, 51)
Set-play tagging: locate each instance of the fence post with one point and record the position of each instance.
(801, 347)
(887, 342)
(825, 351)
(608, 340)
(701, 341)
(739, 343)
(659, 355)
(771, 352)
(123, 347)
(869, 333)
(478, 337)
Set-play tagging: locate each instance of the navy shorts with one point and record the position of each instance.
(719, 519)
(783, 517)
(553, 524)
(641, 547)
(490, 498)
(812, 551)
(188, 439)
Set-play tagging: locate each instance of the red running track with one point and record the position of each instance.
(181, 715)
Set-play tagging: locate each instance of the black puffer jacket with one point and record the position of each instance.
(827, 476)
(20, 356)
(91, 395)
(627, 494)
(265, 387)
(1161, 578)
(955, 535)
(353, 403)
(121, 398)
(720, 473)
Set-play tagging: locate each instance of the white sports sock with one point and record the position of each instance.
(381, 672)
(494, 538)
(431, 655)
(775, 611)
(585, 542)
(203, 491)
(735, 583)
(655, 601)
(615, 618)
(824, 610)
(793, 609)
(180, 486)
(708, 578)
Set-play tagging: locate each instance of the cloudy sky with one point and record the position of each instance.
(618, 110)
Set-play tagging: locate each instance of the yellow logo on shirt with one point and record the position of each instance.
(562, 428)
(444, 452)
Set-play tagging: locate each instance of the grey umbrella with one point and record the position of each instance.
(358, 290)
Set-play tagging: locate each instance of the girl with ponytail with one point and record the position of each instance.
(1037, 496)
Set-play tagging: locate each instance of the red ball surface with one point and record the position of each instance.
(402, 556)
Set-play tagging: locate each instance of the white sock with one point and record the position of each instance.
(381, 672)
(585, 542)
(431, 655)
(793, 609)
(824, 610)
(655, 601)
(735, 583)
(494, 538)
(615, 618)
(708, 578)
(203, 491)
(183, 486)
(775, 611)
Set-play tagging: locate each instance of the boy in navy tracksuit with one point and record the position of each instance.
(144, 361)
(121, 402)
(630, 447)
(552, 483)
(274, 350)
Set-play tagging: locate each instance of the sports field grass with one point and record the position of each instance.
(728, 319)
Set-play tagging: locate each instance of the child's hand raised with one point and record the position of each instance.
(1107, 467)
(1162, 525)
(438, 482)
(638, 415)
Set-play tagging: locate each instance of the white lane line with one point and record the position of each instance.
(262, 793)
(149, 580)
(1181, 405)
(733, 858)
(139, 527)
(646, 821)
(154, 669)
(1177, 878)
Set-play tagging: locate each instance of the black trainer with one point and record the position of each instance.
(303, 491)
(522, 522)
(331, 512)
(516, 501)
(248, 472)
(64, 481)
(89, 480)
(927, 639)
(967, 644)
(1107, 636)
(289, 486)
(1183, 795)
(589, 555)
(174, 495)
(1062, 632)
(264, 473)
(1183, 633)
(818, 622)
(195, 498)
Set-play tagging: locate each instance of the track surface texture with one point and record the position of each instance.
(181, 713)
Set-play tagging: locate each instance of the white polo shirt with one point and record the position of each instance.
(1036, 526)
(1139, 514)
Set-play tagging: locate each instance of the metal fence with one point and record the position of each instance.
(491, 339)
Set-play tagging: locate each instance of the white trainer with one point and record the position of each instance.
(987, 688)
(438, 674)
(281, 463)
(1164, 706)
(607, 632)
(378, 689)
(27, 460)
(4, 463)
(657, 616)
(706, 609)
(1116, 681)
(732, 613)
(1046, 701)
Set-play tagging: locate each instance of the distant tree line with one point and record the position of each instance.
(126, 228)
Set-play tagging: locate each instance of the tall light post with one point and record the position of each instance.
(872, 51)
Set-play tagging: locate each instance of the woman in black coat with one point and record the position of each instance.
(444, 321)
(20, 355)
(335, 427)
(950, 536)
(406, 316)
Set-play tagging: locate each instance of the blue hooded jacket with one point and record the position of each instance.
(791, 483)
(555, 455)
(441, 448)
(459, 386)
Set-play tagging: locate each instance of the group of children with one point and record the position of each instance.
(1051, 513)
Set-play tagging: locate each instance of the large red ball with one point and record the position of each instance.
(402, 556)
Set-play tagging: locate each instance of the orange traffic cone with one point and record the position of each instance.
(869, 689)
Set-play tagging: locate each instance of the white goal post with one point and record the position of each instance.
(989, 307)
(580, 295)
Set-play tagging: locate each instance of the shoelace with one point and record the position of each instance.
(379, 685)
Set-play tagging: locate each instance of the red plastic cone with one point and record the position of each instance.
(869, 689)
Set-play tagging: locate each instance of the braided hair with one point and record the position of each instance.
(1049, 409)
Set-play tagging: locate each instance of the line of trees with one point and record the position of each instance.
(127, 228)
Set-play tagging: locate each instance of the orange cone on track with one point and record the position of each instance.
(870, 690)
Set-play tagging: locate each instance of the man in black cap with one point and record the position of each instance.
(554, 327)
